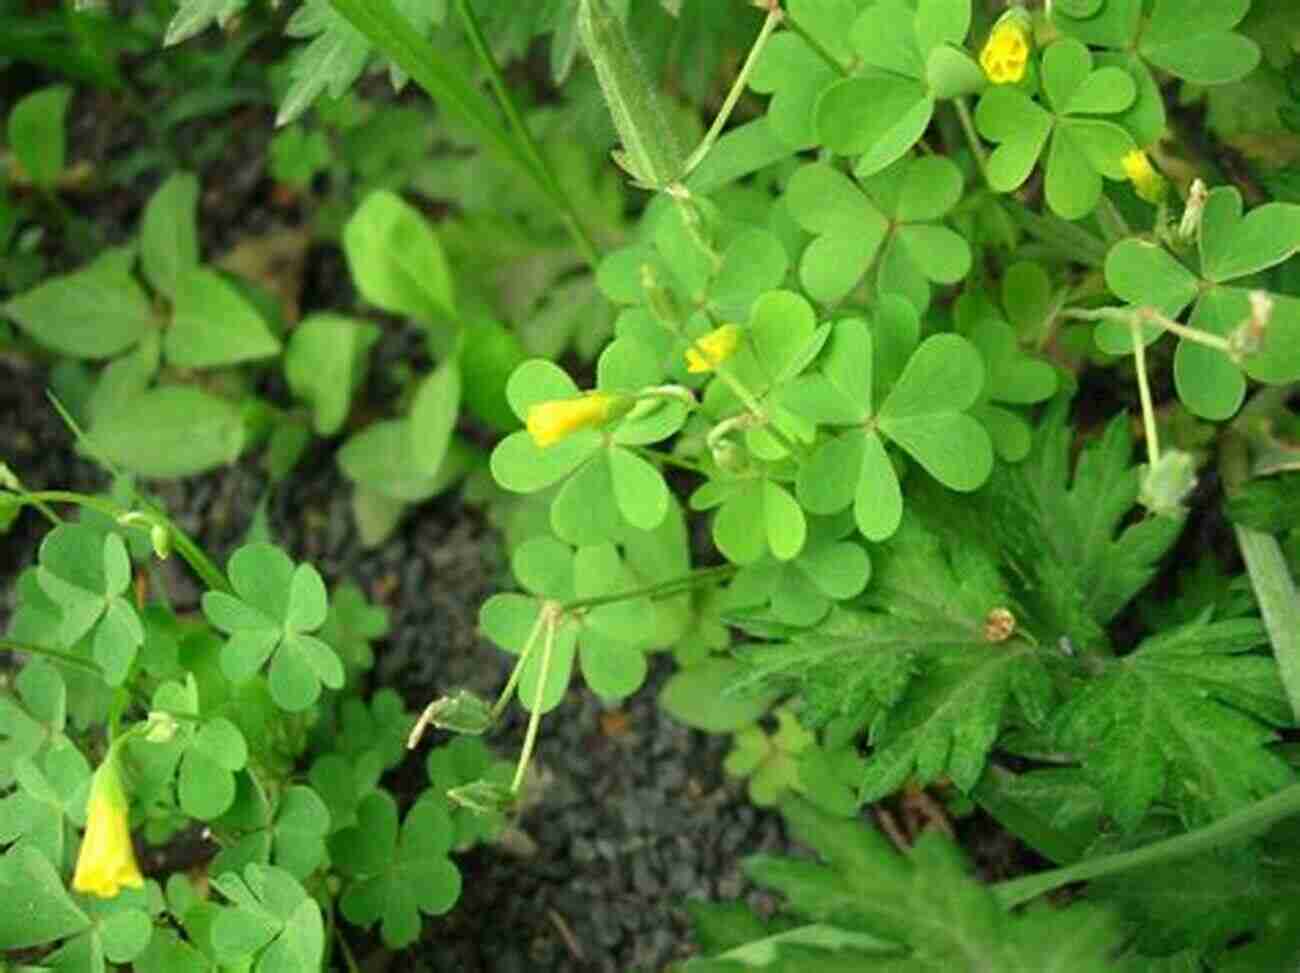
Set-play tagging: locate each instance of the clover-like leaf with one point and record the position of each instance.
(33, 715)
(49, 801)
(272, 917)
(608, 641)
(1014, 378)
(352, 624)
(199, 757)
(86, 573)
(607, 487)
(795, 75)
(462, 761)
(274, 608)
(924, 413)
(801, 591)
(892, 217)
(1082, 149)
(396, 873)
(912, 58)
(1210, 383)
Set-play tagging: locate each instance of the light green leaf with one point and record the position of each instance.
(433, 417)
(169, 239)
(36, 133)
(170, 431)
(213, 324)
(397, 261)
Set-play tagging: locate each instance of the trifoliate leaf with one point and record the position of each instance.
(274, 607)
(397, 874)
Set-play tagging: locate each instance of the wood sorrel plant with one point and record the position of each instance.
(828, 455)
(800, 359)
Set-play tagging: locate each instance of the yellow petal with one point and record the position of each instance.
(106, 862)
(709, 351)
(1006, 53)
(1147, 183)
(549, 422)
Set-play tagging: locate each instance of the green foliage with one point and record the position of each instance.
(1209, 381)
(867, 907)
(397, 873)
(1178, 720)
(86, 574)
(910, 57)
(1083, 149)
(36, 133)
(274, 608)
(1078, 563)
(850, 434)
(272, 917)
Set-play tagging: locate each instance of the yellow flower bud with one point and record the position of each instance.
(1147, 183)
(549, 422)
(107, 859)
(711, 350)
(1006, 52)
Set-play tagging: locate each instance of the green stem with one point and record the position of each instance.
(1244, 824)
(668, 459)
(349, 960)
(1279, 604)
(184, 545)
(535, 717)
(57, 654)
(503, 700)
(672, 586)
(972, 137)
(543, 173)
(1144, 395)
(831, 61)
(1111, 220)
(1149, 315)
(733, 96)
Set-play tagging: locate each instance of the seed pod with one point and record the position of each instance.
(650, 152)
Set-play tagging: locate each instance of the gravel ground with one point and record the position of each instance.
(634, 815)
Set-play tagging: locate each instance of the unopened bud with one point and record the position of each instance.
(8, 480)
(1167, 484)
(728, 455)
(161, 727)
(999, 625)
(1190, 225)
(161, 539)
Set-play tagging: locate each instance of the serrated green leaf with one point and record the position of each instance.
(1180, 719)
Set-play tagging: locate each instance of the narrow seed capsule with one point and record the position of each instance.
(651, 154)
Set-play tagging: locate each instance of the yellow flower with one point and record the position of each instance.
(1006, 52)
(711, 350)
(549, 422)
(1147, 183)
(107, 859)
